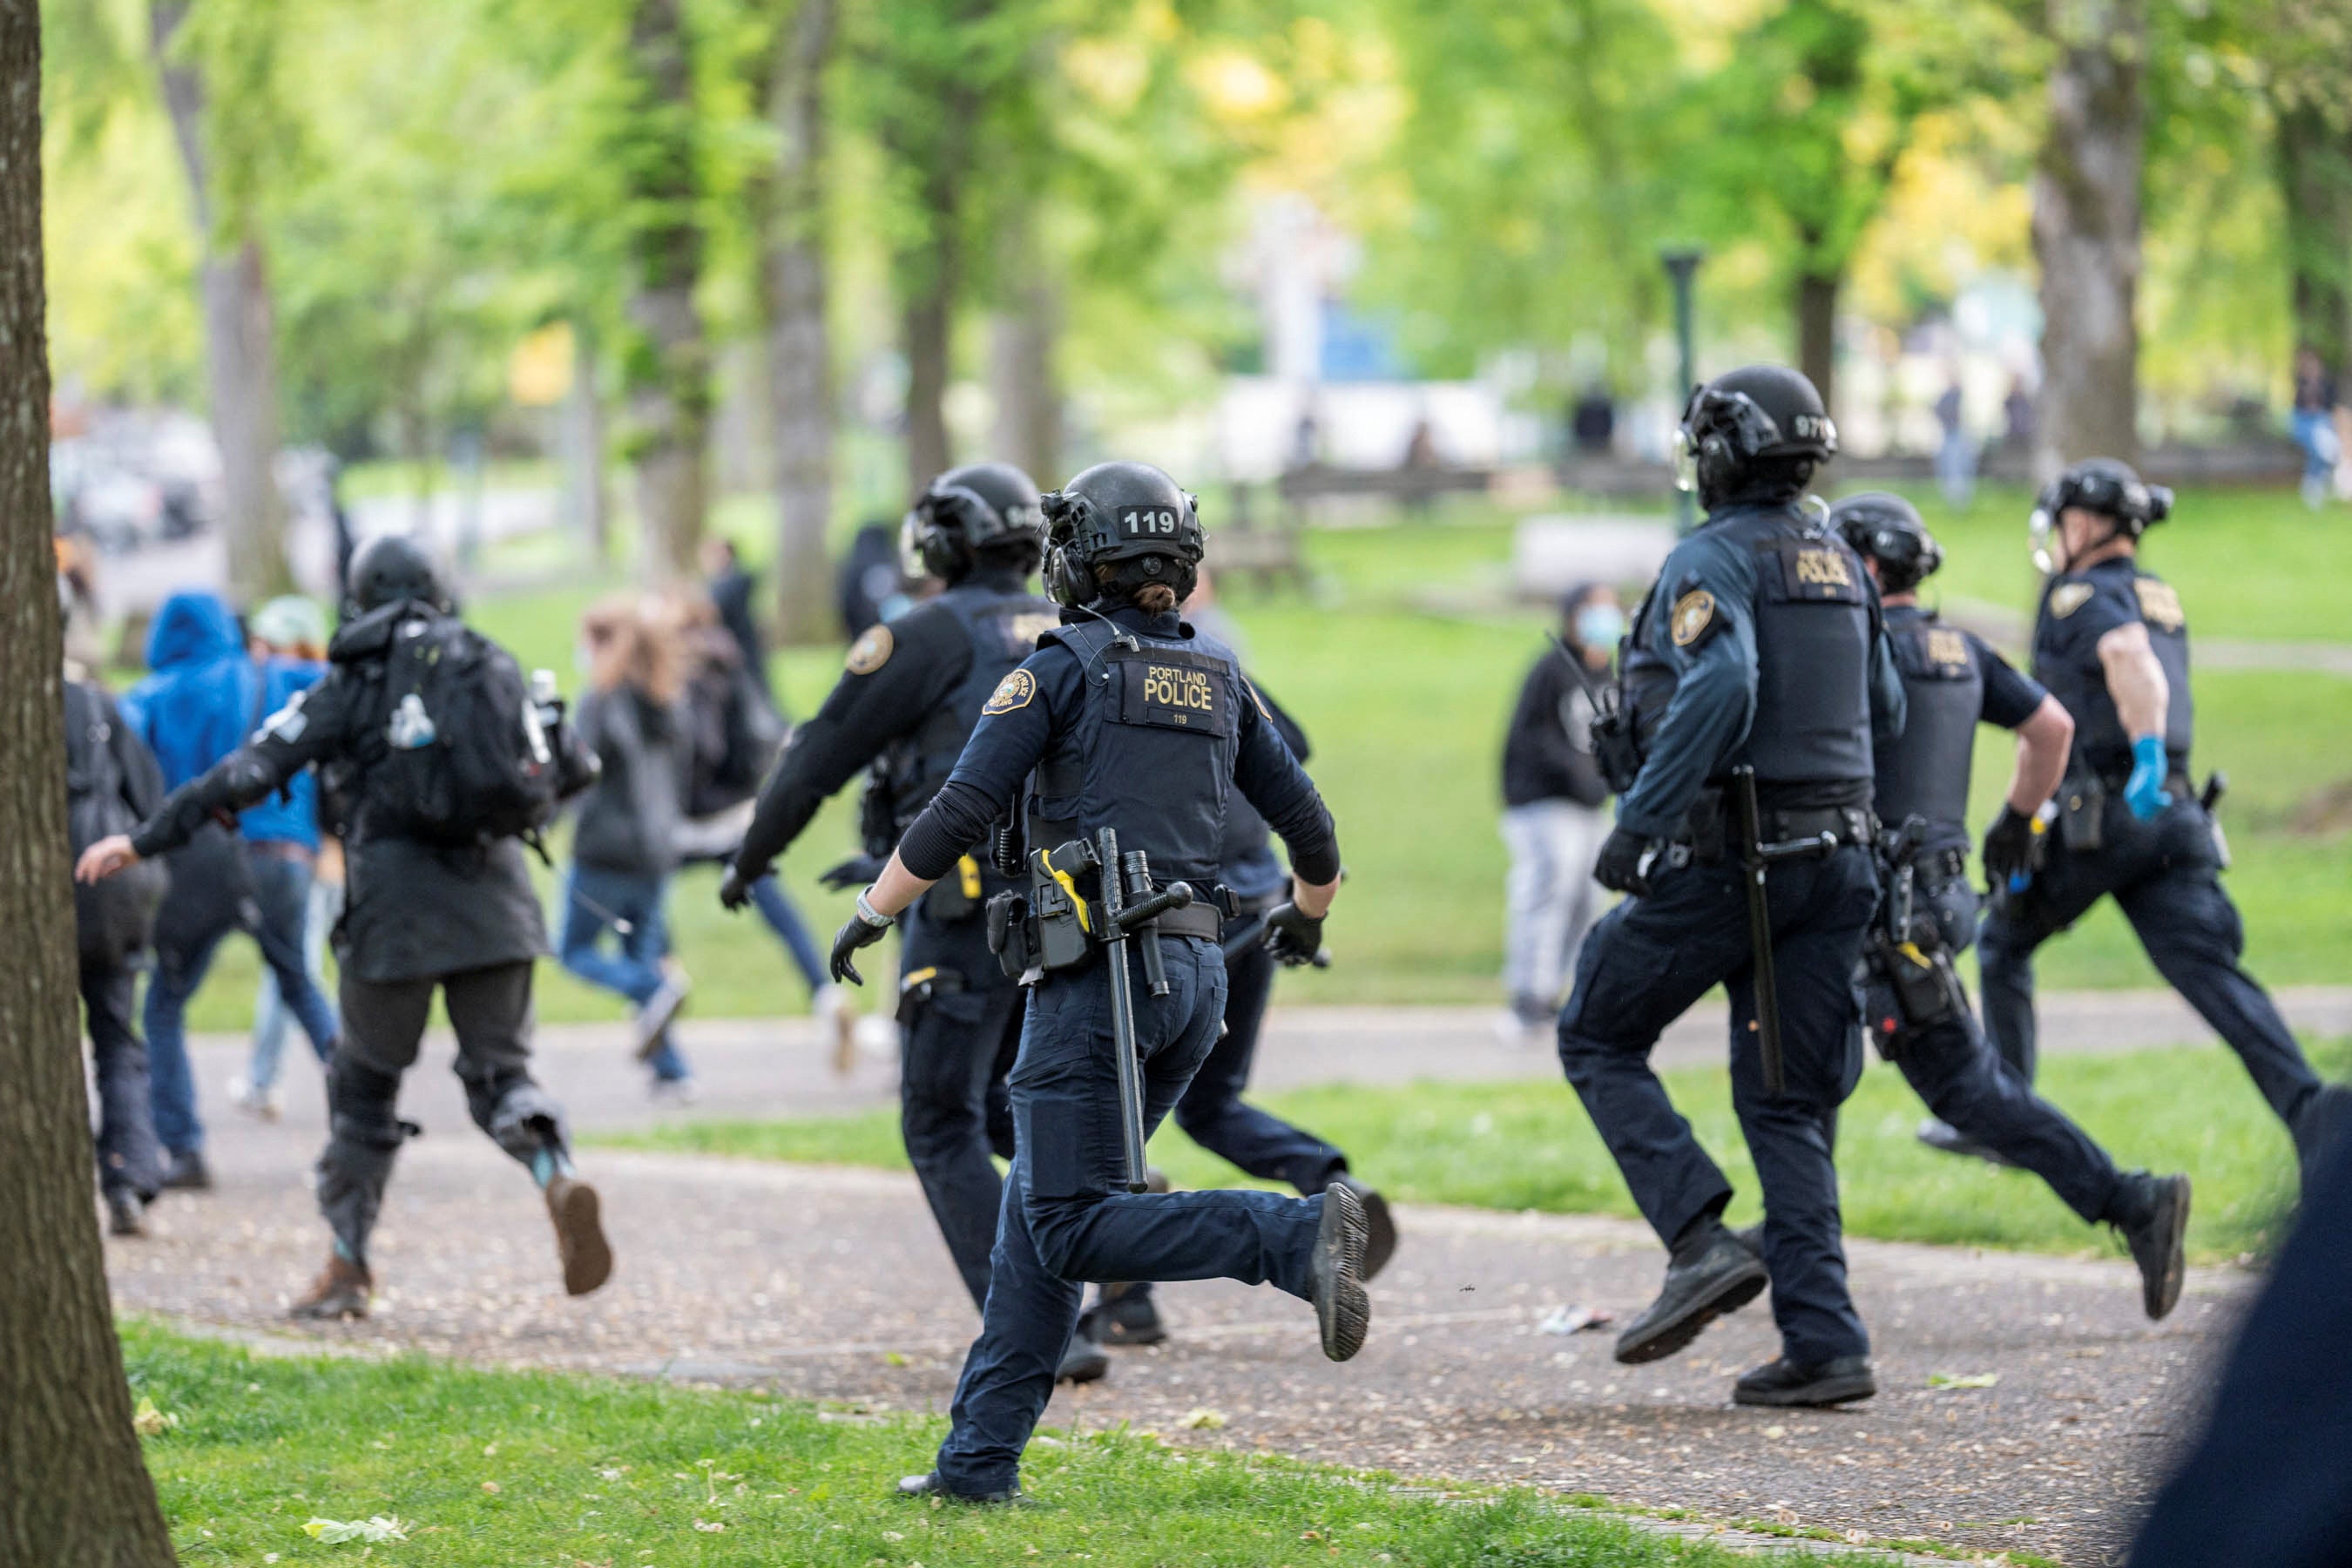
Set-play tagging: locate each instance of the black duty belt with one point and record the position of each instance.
(1205, 920)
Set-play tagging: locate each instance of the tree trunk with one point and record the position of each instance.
(1028, 393)
(794, 294)
(2086, 233)
(2314, 169)
(75, 1493)
(670, 370)
(1817, 304)
(931, 280)
(240, 337)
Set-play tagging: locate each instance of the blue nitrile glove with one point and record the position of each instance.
(2144, 792)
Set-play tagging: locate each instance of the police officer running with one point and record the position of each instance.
(905, 705)
(1132, 731)
(2111, 642)
(448, 758)
(1758, 649)
(1913, 1002)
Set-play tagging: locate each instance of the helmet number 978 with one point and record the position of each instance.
(1147, 522)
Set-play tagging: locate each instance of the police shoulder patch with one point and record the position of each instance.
(1259, 701)
(1693, 618)
(871, 651)
(1947, 648)
(2159, 604)
(2068, 597)
(1014, 691)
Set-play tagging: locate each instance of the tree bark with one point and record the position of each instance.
(669, 367)
(2314, 170)
(2086, 232)
(931, 282)
(1816, 307)
(587, 509)
(795, 292)
(76, 1493)
(1028, 391)
(240, 335)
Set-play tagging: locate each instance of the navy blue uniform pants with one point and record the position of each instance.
(960, 1030)
(1213, 1112)
(1645, 964)
(1067, 1217)
(1951, 1066)
(2165, 876)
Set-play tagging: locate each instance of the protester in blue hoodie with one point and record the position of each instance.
(296, 880)
(203, 696)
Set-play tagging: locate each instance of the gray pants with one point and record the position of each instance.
(383, 1025)
(1552, 899)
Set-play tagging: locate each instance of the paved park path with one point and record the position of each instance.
(831, 1284)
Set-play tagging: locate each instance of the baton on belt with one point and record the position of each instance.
(1756, 859)
(1120, 920)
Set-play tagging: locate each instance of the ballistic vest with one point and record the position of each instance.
(1816, 624)
(2077, 679)
(1925, 774)
(1151, 753)
(1002, 627)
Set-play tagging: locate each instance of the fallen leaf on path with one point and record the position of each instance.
(1962, 1379)
(1203, 1419)
(1576, 1320)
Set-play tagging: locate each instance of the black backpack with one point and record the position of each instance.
(114, 918)
(468, 758)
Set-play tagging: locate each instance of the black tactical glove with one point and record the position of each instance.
(1293, 935)
(1619, 868)
(735, 886)
(864, 929)
(2014, 846)
(857, 871)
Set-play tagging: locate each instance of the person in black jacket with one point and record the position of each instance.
(422, 913)
(1552, 796)
(112, 780)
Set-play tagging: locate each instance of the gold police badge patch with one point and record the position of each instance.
(2068, 597)
(1693, 614)
(871, 651)
(2159, 604)
(1014, 691)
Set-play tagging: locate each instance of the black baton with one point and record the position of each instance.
(1760, 931)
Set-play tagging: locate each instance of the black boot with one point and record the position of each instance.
(1788, 1383)
(927, 1485)
(1711, 1273)
(2151, 1214)
(1342, 1311)
(1126, 1316)
(186, 1172)
(125, 1215)
(1083, 1360)
(1380, 1243)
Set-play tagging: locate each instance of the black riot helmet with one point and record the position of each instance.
(2101, 485)
(1887, 528)
(1128, 515)
(979, 507)
(392, 567)
(1757, 431)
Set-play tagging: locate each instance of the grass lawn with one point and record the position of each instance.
(499, 1469)
(1406, 708)
(1530, 1146)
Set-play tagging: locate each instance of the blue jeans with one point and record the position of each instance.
(1068, 1216)
(597, 900)
(322, 908)
(768, 897)
(281, 890)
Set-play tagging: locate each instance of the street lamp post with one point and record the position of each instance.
(1680, 265)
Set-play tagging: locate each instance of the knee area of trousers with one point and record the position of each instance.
(363, 1093)
(1057, 1229)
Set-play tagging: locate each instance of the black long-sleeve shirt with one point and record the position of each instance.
(1008, 745)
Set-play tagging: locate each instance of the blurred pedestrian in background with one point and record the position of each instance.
(731, 736)
(733, 589)
(2314, 426)
(299, 885)
(625, 844)
(870, 589)
(205, 695)
(1552, 820)
(111, 784)
(1956, 454)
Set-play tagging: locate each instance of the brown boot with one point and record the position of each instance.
(579, 1235)
(339, 1292)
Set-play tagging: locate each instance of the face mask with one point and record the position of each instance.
(1600, 626)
